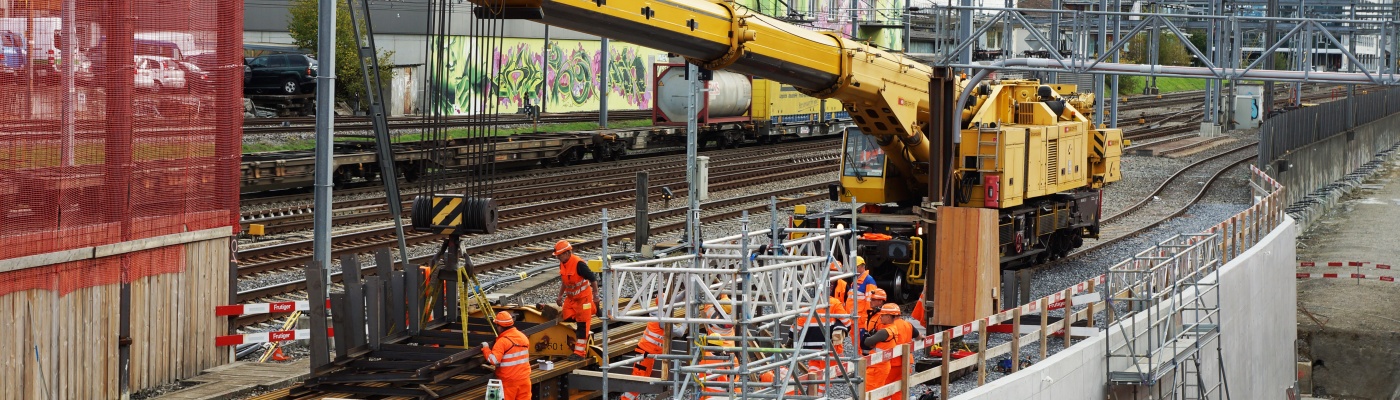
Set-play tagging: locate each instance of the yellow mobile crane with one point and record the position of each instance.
(1017, 147)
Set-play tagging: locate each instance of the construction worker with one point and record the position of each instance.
(576, 295)
(651, 345)
(717, 360)
(863, 281)
(811, 333)
(511, 356)
(896, 331)
(767, 377)
(869, 317)
(840, 285)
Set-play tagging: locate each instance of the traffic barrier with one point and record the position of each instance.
(264, 308)
(263, 337)
(1339, 264)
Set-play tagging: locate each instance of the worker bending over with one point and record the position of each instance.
(651, 345)
(895, 331)
(511, 356)
(576, 295)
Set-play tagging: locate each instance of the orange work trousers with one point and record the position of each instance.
(641, 368)
(876, 375)
(516, 389)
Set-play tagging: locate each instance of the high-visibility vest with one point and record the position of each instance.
(511, 355)
(574, 284)
(652, 339)
(715, 377)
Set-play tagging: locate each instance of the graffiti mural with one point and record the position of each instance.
(566, 76)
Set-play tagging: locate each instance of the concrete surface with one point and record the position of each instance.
(1257, 333)
(1348, 328)
(237, 379)
(1328, 160)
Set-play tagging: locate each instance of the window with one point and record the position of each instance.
(277, 61)
(862, 157)
(259, 62)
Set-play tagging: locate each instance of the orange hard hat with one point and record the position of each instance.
(877, 294)
(835, 265)
(766, 376)
(562, 246)
(891, 309)
(504, 319)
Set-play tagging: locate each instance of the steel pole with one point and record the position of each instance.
(603, 87)
(1054, 45)
(1117, 35)
(1270, 36)
(325, 142)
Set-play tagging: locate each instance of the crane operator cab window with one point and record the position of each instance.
(863, 157)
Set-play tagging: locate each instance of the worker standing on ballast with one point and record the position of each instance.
(896, 331)
(576, 295)
(511, 356)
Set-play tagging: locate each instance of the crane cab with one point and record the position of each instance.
(864, 171)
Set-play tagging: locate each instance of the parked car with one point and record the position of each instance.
(13, 55)
(158, 74)
(284, 74)
(196, 79)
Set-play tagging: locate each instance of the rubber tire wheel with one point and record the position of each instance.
(289, 86)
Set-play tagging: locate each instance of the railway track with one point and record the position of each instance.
(527, 188)
(511, 256)
(555, 203)
(1169, 200)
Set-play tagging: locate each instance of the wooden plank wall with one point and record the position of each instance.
(967, 272)
(75, 335)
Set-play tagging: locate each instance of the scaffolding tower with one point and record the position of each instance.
(739, 297)
(1166, 315)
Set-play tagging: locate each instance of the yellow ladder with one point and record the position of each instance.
(988, 137)
(469, 291)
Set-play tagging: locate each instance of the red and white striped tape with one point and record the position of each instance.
(265, 308)
(1339, 264)
(263, 337)
(1382, 278)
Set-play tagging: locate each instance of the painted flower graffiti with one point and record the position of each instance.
(518, 75)
(519, 70)
(627, 75)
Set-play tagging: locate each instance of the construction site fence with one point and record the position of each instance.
(118, 122)
(1079, 303)
(1299, 128)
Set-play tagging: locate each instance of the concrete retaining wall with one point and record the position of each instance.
(1258, 330)
(1321, 163)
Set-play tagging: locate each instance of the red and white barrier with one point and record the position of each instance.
(1382, 278)
(1342, 264)
(265, 308)
(263, 337)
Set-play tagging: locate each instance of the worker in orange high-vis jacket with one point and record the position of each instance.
(869, 317)
(652, 344)
(896, 331)
(576, 295)
(511, 356)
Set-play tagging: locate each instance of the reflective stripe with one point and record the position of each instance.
(492, 358)
(522, 353)
(516, 362)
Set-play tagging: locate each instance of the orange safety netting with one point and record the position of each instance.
(121, 120)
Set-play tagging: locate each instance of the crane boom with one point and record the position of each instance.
(885, 93)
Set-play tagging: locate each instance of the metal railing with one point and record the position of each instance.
(1296, 129)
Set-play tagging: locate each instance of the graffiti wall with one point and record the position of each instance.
(565, 75)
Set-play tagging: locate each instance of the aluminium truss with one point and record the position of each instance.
(757, 282)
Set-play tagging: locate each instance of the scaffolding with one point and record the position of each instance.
(753, 287)
(1167, 313)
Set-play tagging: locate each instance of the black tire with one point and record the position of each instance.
(289, 86)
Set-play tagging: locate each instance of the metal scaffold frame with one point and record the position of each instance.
(1167, 312)
(757, 283)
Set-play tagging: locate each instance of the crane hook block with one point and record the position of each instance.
(447, 214)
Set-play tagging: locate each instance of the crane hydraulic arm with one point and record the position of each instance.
(885, 93)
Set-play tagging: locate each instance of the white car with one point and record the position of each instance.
(158, 73)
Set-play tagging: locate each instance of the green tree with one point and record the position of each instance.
(1170, 50)
(349, 80)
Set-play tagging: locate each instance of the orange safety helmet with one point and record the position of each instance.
(562, 246)
(835, 265)
(878, 294)
(504, 319)
(891, 309)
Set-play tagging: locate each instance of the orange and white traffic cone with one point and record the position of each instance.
(278, 356)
